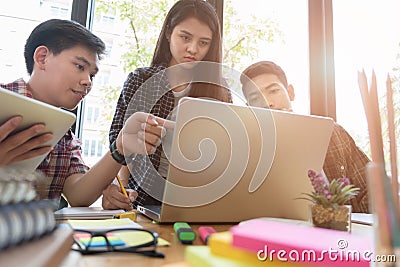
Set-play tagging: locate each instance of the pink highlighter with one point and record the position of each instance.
(205, 232)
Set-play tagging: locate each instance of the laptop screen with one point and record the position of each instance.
(230, 163)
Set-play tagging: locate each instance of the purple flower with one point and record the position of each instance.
(330, 193)
(311, 173)
(318, 181)
(344, 181)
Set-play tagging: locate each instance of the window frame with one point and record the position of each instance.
(83, 13)
(321, 54)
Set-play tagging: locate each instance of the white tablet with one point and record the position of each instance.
(57, 120)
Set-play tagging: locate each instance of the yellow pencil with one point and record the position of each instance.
(122, 186)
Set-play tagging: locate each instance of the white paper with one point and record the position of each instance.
(362, 218)
(103, 225)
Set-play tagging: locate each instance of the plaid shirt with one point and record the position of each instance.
(64, 160)
(140, 93)
(345, 159)
(147, 90)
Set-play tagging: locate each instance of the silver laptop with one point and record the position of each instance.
(57, 121)
(230, 163)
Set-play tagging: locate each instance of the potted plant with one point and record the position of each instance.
(330, 200)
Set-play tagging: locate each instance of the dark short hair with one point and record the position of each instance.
(58, 35)
(263, 67)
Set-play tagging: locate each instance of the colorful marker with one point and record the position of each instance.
(129, 214)
(205, 232)
(184, 232)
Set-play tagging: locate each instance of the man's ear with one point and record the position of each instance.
(40, 55)
(290, 90)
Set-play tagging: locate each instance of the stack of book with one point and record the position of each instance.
(27, 223)
(262, 242)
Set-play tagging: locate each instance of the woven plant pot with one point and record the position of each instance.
(331, 218)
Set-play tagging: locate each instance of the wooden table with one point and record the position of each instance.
(175, 252)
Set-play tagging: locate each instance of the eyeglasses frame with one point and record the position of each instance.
(110, 248)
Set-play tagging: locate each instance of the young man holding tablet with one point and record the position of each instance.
(62, 59)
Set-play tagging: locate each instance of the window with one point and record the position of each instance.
(93, 148)
(366, 35)
(109, 47)
(86, 148)
(88, 114)
(92, 115)
(276, 33)
(57, 11)
(105, 20)
(108, 20)
(96, 115)
(99, 149)
(102, 79)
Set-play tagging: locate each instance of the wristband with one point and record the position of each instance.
(118, 157)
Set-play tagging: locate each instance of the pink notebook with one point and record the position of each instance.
(273, 241)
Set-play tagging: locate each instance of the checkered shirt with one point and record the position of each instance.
(345, 159)
(140, 93)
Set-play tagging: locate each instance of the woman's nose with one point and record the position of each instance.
(192, 48)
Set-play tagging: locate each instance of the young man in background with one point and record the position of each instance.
(268, 88)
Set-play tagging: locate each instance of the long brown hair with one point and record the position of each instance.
(204, 12)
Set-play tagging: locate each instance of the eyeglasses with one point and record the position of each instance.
(131, 240)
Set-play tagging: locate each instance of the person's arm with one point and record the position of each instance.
(129, 88)
(141, 134)
(345, 159)
(124, 175)
(357, 161)
(22, 145)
